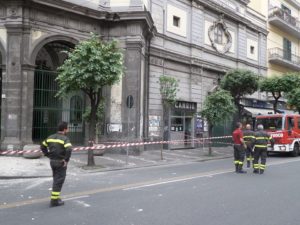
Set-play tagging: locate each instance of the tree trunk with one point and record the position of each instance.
(165, 124)
(276, 101)
(210, 129)
(237, 115)
(275, 105)
(92, 134)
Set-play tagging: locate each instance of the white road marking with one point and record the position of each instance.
(177, 180)
(78, 197)
(282, 162)
(208, 175)
(82, 203)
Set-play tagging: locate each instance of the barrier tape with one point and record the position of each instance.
(124, 144)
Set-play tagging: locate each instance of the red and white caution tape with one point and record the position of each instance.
(124, 144)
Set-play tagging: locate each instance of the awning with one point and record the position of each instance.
(259, 111)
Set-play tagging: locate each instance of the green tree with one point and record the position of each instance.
(168, 91)
(218, 107)
(90, 66)
(240, 82)
(278, 85)
(293, 99)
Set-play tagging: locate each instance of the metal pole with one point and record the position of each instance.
(127, 149)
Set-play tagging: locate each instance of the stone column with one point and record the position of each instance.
(27, 96)
(12, 88)
(133, 84)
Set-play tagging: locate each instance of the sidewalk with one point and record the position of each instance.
(19, 167)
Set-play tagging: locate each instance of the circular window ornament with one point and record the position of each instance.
(220, 36)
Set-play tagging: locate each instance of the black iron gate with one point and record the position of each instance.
(49, 110)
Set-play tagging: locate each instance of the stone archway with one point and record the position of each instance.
(48, 110)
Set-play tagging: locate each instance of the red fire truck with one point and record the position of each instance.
(285, 130)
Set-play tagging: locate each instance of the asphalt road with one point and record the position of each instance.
(207, 193)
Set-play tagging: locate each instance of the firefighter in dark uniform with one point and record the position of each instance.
(262, 139)
(239, 148)
(58, 149)
(249, 141)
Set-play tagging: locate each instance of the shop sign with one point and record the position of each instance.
(190, 106)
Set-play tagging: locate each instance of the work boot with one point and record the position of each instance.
(261, 171)
(248, 164)
(56, 202)
(240, 169)
(255, 171)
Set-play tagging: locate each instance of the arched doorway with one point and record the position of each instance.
(49, 110)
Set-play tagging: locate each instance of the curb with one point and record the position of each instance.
(156, 165)
(121, 168)
(21, 177)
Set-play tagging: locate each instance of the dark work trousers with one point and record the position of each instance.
(239, 154)
(249, 153)
(59, 174)
(262, 154)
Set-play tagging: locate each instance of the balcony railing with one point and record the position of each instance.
(284, 58)
(284, 20)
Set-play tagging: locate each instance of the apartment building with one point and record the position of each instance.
(283, 41)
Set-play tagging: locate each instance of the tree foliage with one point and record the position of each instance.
(218, 107)
(90, 66)
(240, 82)
(293, 98)
(278, 85)
(168, 88)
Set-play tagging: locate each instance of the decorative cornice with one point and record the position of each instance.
(171, 56)
(210, 51)
(230, 14)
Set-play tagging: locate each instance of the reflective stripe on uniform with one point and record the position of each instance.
(241, 163)
(261, 146)
(262, 166)
(256, 166)
(249, 137)
(67, 145)
(55, 195)
(262, 138)
(56, 141)
(236, 162)
(45, 143)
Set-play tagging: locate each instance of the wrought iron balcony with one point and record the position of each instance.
(284, 58)
(284, 21)
(294, 3)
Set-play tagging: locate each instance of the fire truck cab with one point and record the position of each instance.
(284, 129)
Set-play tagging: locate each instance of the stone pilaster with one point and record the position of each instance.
(133, 85)
(12, 88)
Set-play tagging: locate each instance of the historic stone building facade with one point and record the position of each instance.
(32, 37)
(195, 41)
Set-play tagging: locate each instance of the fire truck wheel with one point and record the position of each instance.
(295, 152)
